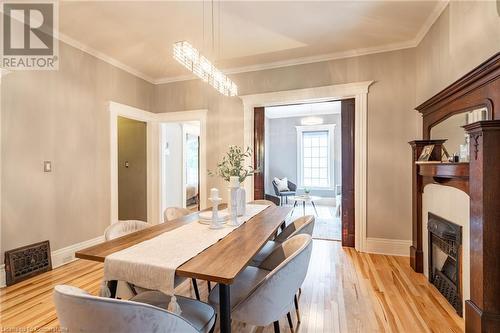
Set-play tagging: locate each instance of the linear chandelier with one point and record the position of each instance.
(191, 58)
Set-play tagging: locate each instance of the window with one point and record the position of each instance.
(314, 153)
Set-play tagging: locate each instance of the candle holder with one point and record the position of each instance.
(216, 223)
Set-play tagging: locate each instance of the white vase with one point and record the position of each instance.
(242, 201)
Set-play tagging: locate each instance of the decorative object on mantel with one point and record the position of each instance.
(233, 165)
(426, 153)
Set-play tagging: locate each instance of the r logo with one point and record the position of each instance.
(28, 29)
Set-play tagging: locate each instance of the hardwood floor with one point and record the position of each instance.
(344, 291)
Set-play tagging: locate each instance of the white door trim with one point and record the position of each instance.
(358, 91)
(121, 110)
(153, 120)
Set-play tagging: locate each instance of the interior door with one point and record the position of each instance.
(259, 154)
(347, 113)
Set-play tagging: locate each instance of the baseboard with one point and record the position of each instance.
(394, 247)
(62, 256)
(2, 275)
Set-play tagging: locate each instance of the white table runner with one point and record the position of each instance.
(152, 264)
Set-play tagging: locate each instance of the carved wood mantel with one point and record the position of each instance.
(480, 179)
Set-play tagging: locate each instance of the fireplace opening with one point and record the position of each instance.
(445, 259)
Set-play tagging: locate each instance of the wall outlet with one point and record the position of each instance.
(47, 166)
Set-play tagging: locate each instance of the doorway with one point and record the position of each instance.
(132, 169)
(180, 164)
(312, 146)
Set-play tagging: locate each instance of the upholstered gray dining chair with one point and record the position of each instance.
(172, 213)
(122, 228)
(265, 294)
(78, 311)
(263, 202)
(302, 225)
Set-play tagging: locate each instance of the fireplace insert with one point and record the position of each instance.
(445, 259)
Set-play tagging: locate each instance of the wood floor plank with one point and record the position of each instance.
(344, 291)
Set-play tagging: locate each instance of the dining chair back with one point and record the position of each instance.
(122, 228)
(302, 225)
(78, 311)
(263, 202)
(172, 213)
(273, 297)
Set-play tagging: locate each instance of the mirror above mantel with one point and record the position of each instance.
(452, 130)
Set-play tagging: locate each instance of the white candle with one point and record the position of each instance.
(214, 193)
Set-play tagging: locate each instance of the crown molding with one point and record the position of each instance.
(438, 9)
(99, 55)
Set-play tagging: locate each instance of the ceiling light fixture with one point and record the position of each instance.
(190, 57)
(310, 121)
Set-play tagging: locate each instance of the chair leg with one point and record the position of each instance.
(296, 301)
(195, 287)
(290, 323)
(276, 327)
(209, 286)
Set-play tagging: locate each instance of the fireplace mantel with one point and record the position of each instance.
(480, 178)
(448, 174)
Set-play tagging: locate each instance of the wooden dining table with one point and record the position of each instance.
(220, 263)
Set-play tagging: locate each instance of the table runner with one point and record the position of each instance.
(152, 264)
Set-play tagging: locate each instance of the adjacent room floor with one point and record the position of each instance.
(345, 291)
(327, 224)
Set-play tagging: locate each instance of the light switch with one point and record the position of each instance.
(127, 164)
(47, 166)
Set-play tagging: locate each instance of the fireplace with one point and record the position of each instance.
(445, 259)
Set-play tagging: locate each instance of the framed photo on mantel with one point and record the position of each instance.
(426, 153)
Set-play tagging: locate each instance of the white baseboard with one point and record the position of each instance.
(394, 247)
(2, 275)
(62, 256)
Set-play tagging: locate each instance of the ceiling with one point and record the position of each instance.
(303, 110)
(249, 35)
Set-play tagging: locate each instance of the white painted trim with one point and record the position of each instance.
(2, 276)
(184, 116)
(62, 256)
(121, 110)
(357, 90)
(393, 247)
(330, 128)
(101, 56)
(67, 254)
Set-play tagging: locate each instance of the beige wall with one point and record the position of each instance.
(60, 116)
(132, 179)
(466, 34)
(391, 124)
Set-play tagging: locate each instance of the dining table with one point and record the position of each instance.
(220, 263)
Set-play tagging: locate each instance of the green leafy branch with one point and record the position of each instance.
(232, 164)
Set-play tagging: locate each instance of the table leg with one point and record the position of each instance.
(295, 204)
(304, 207)
(112, 284)
(314, 206)
(225, 308)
